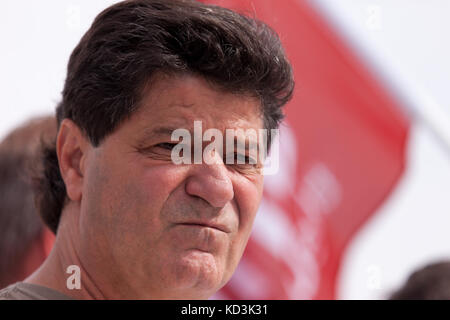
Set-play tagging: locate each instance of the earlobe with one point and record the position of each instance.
(71, 150)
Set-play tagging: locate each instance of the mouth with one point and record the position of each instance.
(217, 227)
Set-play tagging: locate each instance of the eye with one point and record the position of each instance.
(243, 159)
(166, 145)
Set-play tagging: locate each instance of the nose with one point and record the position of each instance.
(212, 183)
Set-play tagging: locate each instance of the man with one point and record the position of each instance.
(129, 222)
(24, 240)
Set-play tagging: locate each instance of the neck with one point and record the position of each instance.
(53, 273)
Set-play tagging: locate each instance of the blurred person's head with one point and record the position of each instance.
(24, 240)
(137, 224)
(431, 282)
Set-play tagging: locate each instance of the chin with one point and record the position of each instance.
(199, 274)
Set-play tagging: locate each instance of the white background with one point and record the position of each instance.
(406, 42)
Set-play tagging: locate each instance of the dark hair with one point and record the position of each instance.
(20, 224)
(431, 282)
(130, 42)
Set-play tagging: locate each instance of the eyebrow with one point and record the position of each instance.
(149, 135)
(239, 142)
(248, 144)
(163, 131)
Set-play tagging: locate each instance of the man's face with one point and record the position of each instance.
(161, 230)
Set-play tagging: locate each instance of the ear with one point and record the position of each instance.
(72, 147)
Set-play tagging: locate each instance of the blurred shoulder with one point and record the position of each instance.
(28, 291)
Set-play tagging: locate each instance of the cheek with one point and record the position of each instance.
(159, 182)
(248, 194)
(138, 200)
(125, 206)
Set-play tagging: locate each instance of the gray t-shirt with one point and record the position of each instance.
(28, 291)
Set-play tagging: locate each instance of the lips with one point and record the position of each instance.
(217, 226)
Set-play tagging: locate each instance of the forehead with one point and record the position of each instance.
(172, 102)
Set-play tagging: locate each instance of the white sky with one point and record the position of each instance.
(37, 38)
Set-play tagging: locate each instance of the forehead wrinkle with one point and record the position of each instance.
(150, 134)
(183, 109)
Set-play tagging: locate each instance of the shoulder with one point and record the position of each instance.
(10, 292)
(28, 291)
